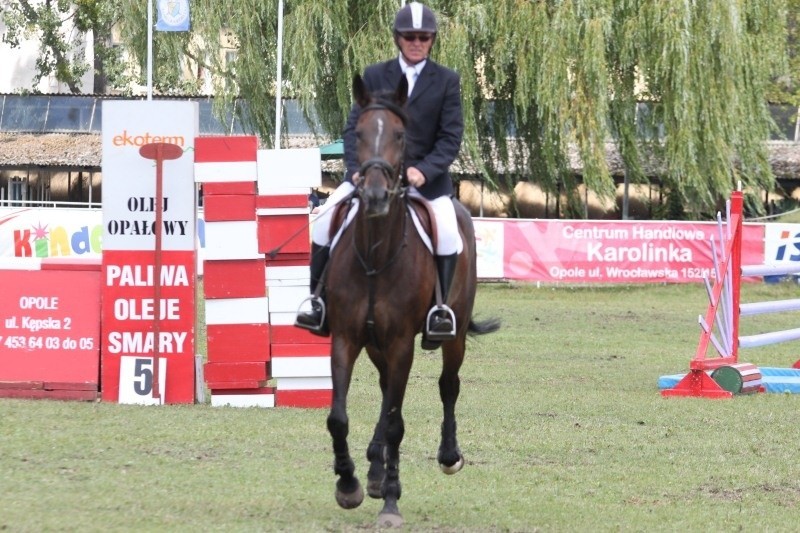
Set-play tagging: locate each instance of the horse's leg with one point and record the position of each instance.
(376, 449)
(449, 456)
(349, 493)
(397, 379)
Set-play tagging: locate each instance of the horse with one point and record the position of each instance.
(380, 282)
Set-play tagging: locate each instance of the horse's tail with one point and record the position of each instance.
(483, 327)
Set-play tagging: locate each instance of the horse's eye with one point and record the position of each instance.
(359, 135)
(399, 135)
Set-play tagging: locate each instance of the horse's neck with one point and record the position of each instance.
(380, 237)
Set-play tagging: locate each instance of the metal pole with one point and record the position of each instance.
(279, 79)
(797, 127)
(625, 195)
(150, 49)
(481, 209)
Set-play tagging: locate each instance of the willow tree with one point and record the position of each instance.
(785, 89)
(540, 79)
(59, 26)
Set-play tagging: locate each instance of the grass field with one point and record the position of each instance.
(560, 421)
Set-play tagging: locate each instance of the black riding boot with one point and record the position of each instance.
(441, 323)
(314, 320)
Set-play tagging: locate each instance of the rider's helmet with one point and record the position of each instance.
(415, 17)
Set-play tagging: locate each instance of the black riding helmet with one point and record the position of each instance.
(415, 17)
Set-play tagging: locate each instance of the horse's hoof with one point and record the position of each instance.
(375, 488)
(392, 520)
(450, 470)
(430, 345)
(350, 500)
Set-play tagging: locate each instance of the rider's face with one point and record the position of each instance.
(415, 46)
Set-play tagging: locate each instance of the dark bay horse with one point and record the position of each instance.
(380, 283)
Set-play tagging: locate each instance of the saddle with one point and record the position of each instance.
(419, 209)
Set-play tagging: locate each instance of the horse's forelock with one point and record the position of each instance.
(385, 100)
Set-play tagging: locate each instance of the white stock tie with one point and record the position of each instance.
(411, 75)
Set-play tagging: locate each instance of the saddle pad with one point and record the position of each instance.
(352, 213)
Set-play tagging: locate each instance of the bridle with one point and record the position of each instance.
(398, 188)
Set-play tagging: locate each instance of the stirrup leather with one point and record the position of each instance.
(440, 335)
(320, 327)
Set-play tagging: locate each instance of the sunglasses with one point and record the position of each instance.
(411, 37)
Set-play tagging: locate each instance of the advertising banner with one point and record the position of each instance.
(42, 233)
(148, 251)
(49, 327)
(604, 252)
(525, 250)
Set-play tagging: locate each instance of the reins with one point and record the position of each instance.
(274, 252)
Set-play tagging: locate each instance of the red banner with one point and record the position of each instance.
(49, 326)
(137, 324)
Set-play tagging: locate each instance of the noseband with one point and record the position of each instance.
(383, 165)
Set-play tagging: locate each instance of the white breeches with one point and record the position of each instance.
(448, 241)
(447, 237)
(322, 224)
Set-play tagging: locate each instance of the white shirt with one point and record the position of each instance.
(411, 71)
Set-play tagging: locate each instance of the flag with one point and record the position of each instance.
(173, 15)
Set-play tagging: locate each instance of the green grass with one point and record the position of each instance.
(560, 421)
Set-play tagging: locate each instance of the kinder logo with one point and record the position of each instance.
(126, 139)
(788, 246)
(57, 242)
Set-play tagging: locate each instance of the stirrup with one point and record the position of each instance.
(321, 328)
(440, 335)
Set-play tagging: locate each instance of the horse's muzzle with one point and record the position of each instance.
(376, 199)
(378, 176)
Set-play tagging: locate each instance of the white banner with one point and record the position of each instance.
(129, 177)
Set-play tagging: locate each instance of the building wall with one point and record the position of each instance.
(33, 187)
(18, 65)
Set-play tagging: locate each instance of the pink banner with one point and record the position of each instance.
(609, 252)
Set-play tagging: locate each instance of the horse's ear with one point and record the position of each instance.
(360, 93)
(401, 94)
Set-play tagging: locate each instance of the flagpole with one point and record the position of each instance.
(150, 49)
(279, 78)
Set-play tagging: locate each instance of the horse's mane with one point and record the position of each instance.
(386, 99)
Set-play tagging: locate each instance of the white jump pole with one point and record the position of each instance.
(764, 339)
(769, 270)
(720, 318)
(776, 306)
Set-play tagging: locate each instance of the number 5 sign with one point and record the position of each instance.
(136, 380)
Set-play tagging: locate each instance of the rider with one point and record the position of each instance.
(433, 140)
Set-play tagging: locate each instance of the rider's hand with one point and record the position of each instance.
(356, 179)
(415, 177)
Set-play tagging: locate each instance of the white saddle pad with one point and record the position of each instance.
(352, 214)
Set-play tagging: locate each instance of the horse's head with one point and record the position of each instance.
(380, 144)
